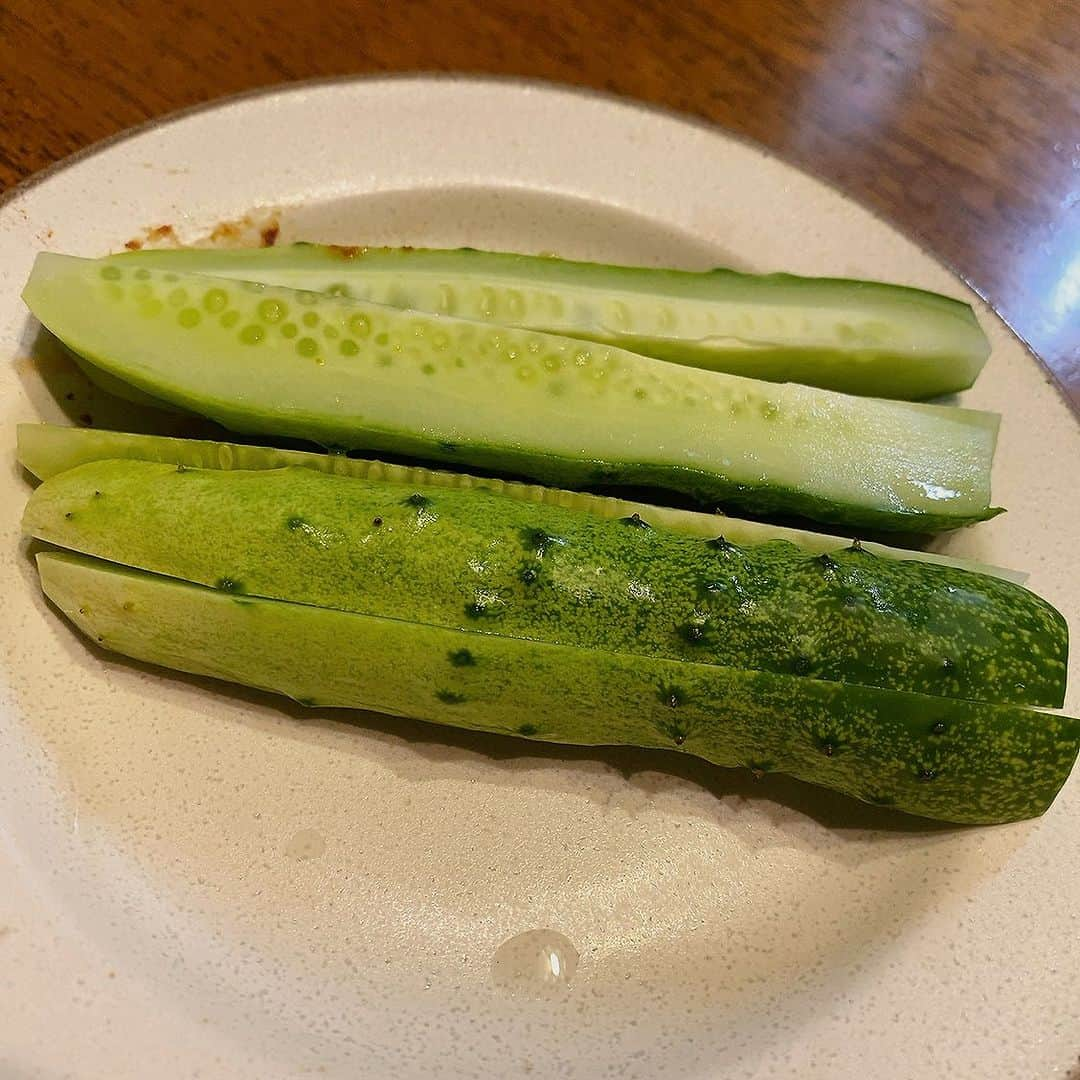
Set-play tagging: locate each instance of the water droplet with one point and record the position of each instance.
(537, 963)
(305, 844)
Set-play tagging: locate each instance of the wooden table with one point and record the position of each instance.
(958, 119)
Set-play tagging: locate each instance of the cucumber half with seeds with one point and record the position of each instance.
(358, 375)
(479, 560)
(955, 760)
(48, 449)
(859, 337)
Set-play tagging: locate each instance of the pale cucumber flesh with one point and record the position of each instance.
(357, 375)
(858, 337)
(949, 759)
(48, 449)
(464, 557)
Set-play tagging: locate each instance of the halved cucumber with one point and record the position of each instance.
(358, 375)
(479, 560)
(955, 760)
(859, 337)
(48, 449)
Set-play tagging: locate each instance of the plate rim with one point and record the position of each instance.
(568, 102)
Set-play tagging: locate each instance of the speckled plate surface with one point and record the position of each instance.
(201, 881)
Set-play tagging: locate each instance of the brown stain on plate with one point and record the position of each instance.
(258, 228)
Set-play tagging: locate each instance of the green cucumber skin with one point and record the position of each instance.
(953, 760)
(856, 337)
(48, 449)
(478, 560)
(118, 388)
(508, 400)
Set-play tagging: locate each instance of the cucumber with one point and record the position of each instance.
(479, 560)
(954, 760)
(859, 337)
(358, 375)
(48, 449)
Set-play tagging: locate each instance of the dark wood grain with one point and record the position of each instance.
(957, 119)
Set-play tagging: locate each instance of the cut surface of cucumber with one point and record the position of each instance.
(357, 375)
(48, 449)
(942, 758)
(858, 337)
(479, 560)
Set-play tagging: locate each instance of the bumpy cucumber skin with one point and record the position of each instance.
(578, 422)
(48, 449)
(953, 760)
(493, 564)
(856, 337)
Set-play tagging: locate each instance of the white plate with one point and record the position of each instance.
(198, 880)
